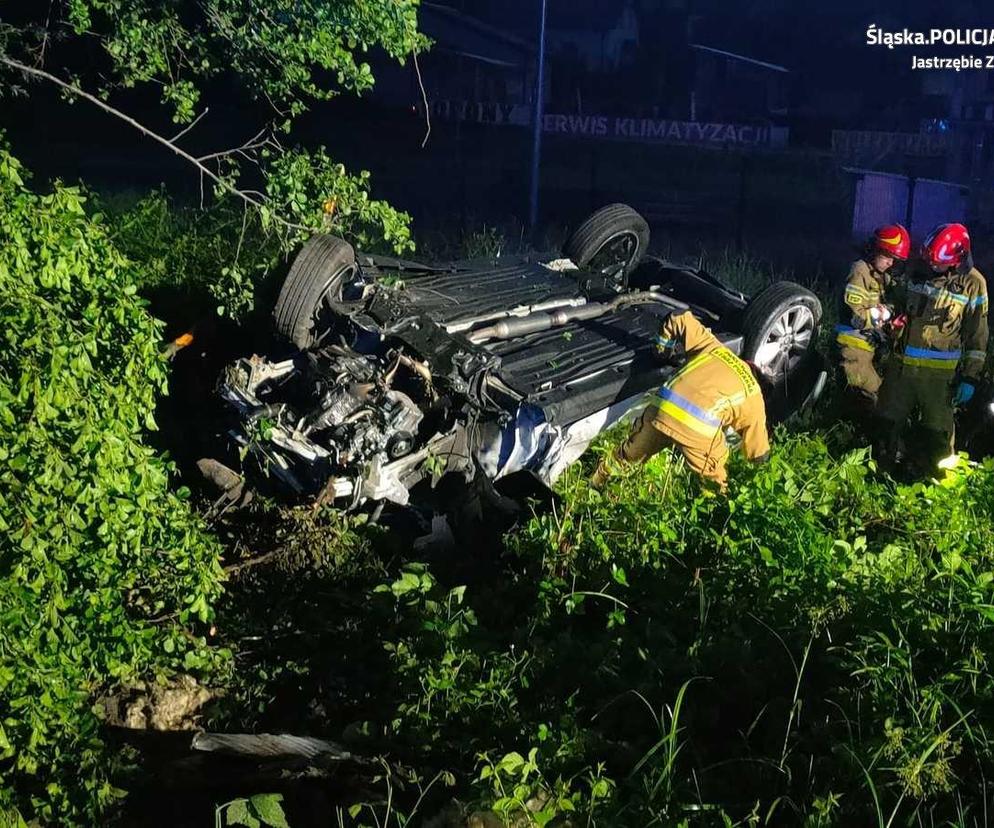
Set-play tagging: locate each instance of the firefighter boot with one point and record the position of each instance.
(601, 475)
(935, 447)
(887, 443)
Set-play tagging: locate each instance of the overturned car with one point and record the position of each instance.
(403, 373)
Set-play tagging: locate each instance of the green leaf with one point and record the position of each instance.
(268, 807)
(6, 749)
(237, 813)
(96, 543)
(511, 762)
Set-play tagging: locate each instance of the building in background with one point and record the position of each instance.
(633, 59)
(474, 71)
(947, 131)
(600, 47)
(736, 88)
(963, 104)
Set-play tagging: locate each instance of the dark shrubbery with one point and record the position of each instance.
(106, 574)
(215, 259)
(812, 650)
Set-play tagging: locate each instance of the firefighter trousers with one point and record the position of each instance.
(707, 457)
(861, 374)
(909, 388)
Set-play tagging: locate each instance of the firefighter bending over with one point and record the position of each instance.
(940, 355)
(867, 311)
(713, 390)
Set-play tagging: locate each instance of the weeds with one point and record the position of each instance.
(814, 649)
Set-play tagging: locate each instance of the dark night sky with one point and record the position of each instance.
(822, 43)
(822, 40)
(836, 77)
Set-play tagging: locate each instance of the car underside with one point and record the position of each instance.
(404, 373)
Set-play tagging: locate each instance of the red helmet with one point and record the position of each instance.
(891, 240)
(947, 245)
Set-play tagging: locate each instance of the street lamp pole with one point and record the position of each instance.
(539, 100)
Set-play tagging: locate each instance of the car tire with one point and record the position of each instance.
(322, 268)
(613, 240)
(780, 329)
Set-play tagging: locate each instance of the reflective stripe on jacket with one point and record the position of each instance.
(865, 289)
(846, 335)
(714, 390)
(947, 321)
(684, 411)
(926, 358)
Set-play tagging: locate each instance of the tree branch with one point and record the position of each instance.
(253, 143)
(424, 97)
(230, 569)
(44, 41)
(144, 130)
(189, 126)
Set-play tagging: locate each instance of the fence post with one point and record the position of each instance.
(909, 213)
(537, 118)
(461, 156)
(594, 199)
(740, 212)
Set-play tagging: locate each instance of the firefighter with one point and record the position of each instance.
(714, 389)
(940, 355)
(866, 313)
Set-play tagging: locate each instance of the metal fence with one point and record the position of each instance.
(918, 203)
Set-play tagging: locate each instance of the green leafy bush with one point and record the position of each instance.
(283, 55)
(814, 649)
(815, 646)
(219, 256)
(319, 47)
(94, 545)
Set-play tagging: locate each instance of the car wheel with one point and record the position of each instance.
(314, 284)
(780, 329)
(612, 242)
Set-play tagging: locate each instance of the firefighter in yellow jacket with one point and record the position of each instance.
(865, 310)
(940, 356)
(713, 390)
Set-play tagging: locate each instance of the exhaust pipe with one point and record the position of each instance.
(511, 328)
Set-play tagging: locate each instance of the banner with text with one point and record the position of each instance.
(622, 128)
(850, 143)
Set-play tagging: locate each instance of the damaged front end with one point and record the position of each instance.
(338, 426)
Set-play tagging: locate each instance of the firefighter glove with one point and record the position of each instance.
(964, 393)
(666, 350)
(880, 314)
